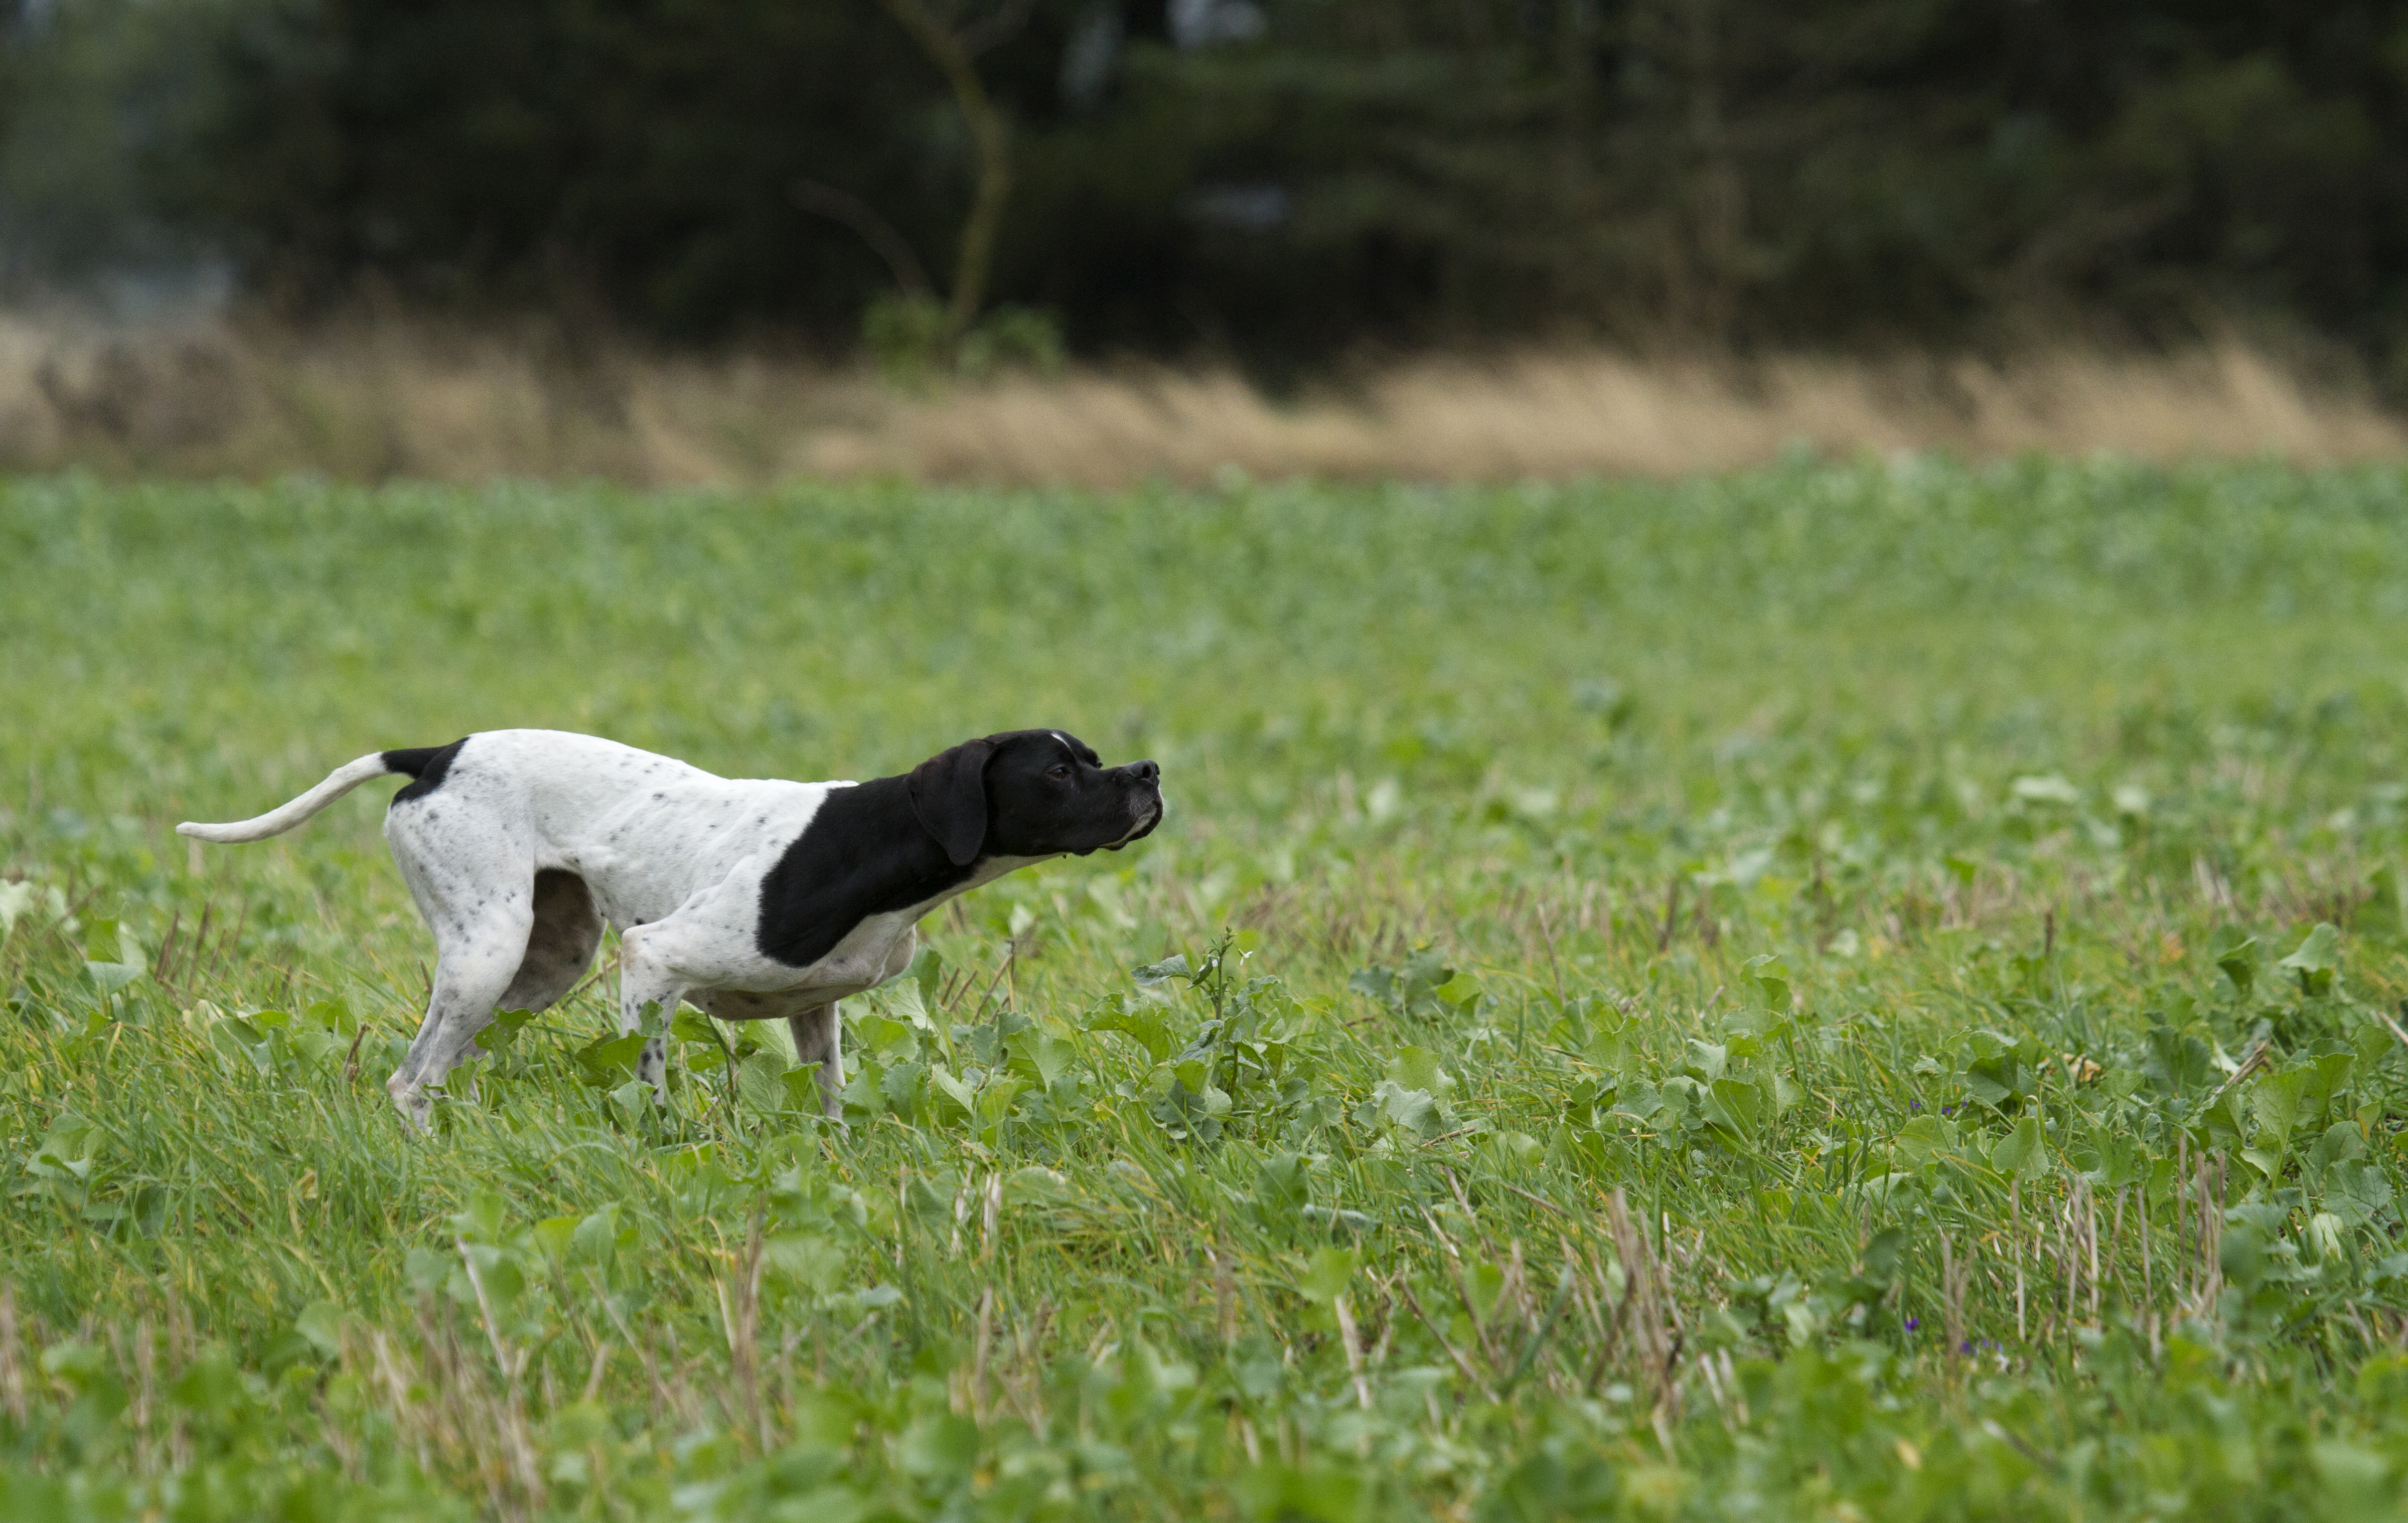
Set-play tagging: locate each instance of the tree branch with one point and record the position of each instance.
(953, 57)
(1000, 27)
(844, 206)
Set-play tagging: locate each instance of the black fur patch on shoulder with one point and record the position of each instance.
(865, 852)
(426, 764)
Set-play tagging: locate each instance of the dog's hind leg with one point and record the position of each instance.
(818, 1039)
(476, 887)
(471, 976)
(561, 931)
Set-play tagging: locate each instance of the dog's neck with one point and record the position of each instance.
(864, 854)
(904, 863)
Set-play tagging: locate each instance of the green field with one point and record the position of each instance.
(1850, 991)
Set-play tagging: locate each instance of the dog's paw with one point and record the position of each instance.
(416, 1106)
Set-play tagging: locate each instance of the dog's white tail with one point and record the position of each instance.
(339, 782)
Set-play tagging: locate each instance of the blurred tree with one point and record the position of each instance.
(89, 91)
(953, 45)
(1281, 178)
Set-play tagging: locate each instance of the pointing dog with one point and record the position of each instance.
(751, 899)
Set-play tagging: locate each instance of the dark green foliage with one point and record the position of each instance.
(1746, 170)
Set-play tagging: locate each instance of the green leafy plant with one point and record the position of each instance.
(1787, 1117)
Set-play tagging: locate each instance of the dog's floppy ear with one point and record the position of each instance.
(948, 795)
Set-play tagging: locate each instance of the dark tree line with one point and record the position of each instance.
(1290, 177)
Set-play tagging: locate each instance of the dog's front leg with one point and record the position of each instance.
(646, 978)
(819, 1039)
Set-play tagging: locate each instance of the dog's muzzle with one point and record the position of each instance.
(1145, 806)
(1143, 828)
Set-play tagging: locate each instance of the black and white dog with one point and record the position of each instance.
(751, 899)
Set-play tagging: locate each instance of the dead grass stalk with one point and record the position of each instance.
(383, 396)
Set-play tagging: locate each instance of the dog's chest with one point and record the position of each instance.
(871, 952)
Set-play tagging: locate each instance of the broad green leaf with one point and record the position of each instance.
(502, 1029)
(1772, 980)
(2239, 963)
(1141, 1023)
(1417, 1068)
(1037, 1055)
(1326, 1275)
(2274, 1102)
(2316, 959)
(1882, 1256)
(109, 977)
(425, 1271)
(1707, 1059)
(2227, 1123)
(1150, 974)
(1734, 1106)
(944, 1087)
(2021, 1152)
(1925, 1138)
(100, 941)
(209, 1384)
(939, 1446)
(1282, 1185)
(483, 1219)
(1417, 1111)
(2360, 1191)
(805, 1260)
(322, 1323)
(335, 1015)
(908, 1002)
(69, 1148)
(995, 1098)
(596, 1237)
(1038, 1186)
(555, 1235)
(1784, 1094)
(761, 1083)
(609, 1060)
(505, 1283)
(2242, 1254)
(904, 1087)
(881, 1037)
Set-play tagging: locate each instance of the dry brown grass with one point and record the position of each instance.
(377, 398)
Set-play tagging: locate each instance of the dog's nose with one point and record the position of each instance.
(1144, 771)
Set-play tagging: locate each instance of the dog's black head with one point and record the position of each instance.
(1032, 793)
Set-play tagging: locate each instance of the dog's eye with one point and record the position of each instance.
(1059, 773)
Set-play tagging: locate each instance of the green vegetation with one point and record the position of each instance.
(1851, 991)
(1277, 180)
